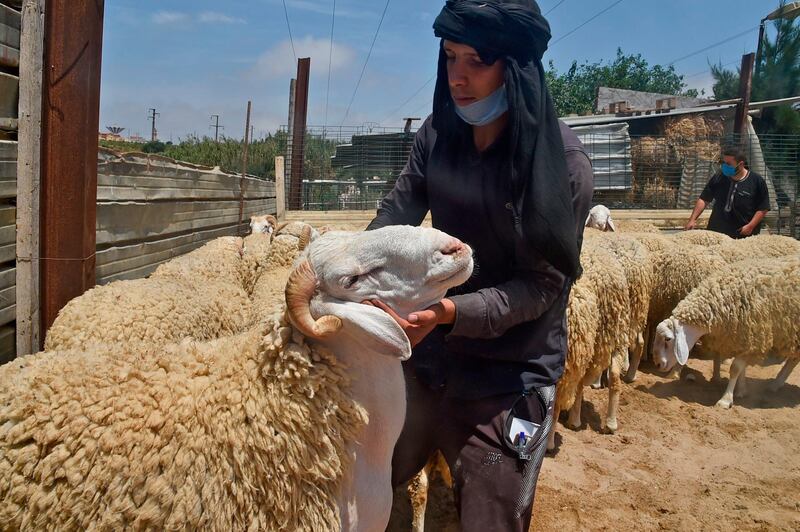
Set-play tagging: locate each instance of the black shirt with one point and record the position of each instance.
(510, 327)
(735, 202)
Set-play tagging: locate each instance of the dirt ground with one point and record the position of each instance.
(676, 463)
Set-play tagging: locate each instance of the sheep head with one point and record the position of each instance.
(408, 268)
(263, 224)
(673, 342)
(600, 218)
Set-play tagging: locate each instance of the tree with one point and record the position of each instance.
(778, 76)
(575, 90)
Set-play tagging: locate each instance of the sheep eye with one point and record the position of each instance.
(350, 281)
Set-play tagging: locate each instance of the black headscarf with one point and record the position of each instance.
(515, 31)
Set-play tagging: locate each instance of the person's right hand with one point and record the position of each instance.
(691, 224)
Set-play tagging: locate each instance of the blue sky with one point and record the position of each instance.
(192, 59)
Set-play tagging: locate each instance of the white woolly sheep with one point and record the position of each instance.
(600, 218)
(759, 246)
(747, 311)
(265, 224)
(257, 431)
(197, 295)
(701, 237)
(597, 324)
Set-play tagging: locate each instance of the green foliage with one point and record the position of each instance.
(154, 147)
(777, 76)
(228, 153)
(575, 90)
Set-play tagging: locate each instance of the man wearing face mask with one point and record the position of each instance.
(741, 199)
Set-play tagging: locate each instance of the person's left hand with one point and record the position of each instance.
(746, 230)
(418, 324)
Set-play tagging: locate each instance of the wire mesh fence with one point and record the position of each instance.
(353, 168)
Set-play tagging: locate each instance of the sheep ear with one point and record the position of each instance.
(371, 327)
(611, 225)
(681, 345)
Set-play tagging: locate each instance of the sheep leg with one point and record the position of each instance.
(717, 375)
(418, 493)
(741, 384)
(597, 384)
(786, 370)
(636, 358)
(574, 419)
(736, 369)
(551, 438)
(614, 390)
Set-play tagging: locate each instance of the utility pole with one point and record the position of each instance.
(216, 127)
(152, 116)
(745, 88)
(244, 168)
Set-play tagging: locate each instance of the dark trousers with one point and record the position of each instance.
(490, 481)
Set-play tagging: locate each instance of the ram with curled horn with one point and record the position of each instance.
(408, 269)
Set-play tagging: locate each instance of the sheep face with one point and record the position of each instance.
(600, 218)
(670, 345)
(408, 268)
(262, 224)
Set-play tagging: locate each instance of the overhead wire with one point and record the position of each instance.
(584, 23)
(330, 62)
(289, 27)
(554, 7)
(364, 68)
(400, 107)
(710, 46)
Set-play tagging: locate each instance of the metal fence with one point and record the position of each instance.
(353, 168)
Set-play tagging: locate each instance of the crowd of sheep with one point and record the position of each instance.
(197, 398)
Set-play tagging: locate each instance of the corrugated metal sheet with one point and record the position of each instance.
(8, 233)
(8, 169)
(8, 295)
(609, 147)
(9, 36)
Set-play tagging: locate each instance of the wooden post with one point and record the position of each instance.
(280, 188)
(29, 176)
(244, 168)
(70, 125)
(745, 87)
(299, 132)
(290, 129)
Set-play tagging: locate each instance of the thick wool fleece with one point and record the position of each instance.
(677, 272)
(249, 432)
(254, 256)
(583, 320)
(219, 260)
(636, 226)
(701, 237)
(154, 311)
(750, 309)
(759, 246)
(653, 242)
(638, 266)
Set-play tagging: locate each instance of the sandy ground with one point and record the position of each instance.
(676, 463)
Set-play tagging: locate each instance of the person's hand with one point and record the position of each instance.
(419, 324)
(746, 230)
(691, 224)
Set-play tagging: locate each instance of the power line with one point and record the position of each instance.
(584, 23)
(289, 27)
(554, 7)
(709, 70)
(421, 107)
(216, 127)
(364, 68)
(399, 107)
(709, 47)
(330, 62)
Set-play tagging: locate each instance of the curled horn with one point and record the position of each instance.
(305, 238)
(299, 290)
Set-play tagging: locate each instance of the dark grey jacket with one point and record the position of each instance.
(510, 328)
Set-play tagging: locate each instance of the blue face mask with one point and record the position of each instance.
(485, 111)
(728, 170)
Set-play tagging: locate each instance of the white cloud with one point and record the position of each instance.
(212, 17)
(169, 17)
(325, 9)
(278, 61)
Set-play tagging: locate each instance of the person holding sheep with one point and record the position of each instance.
(741, 198)
(496, 169)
